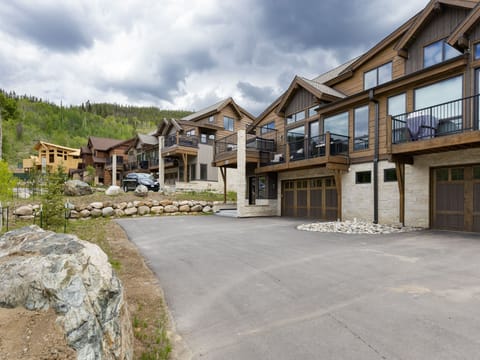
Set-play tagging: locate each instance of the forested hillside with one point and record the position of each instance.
(28, 119)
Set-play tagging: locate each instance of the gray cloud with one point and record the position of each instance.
(174, 55)
(53, 27)
(256, 93)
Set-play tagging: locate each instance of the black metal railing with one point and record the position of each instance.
(181, 140)
(316, 146)
(443, 119)
(229, 144)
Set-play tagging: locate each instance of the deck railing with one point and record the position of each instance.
(181, 140)
(443, 119)
(317, 146)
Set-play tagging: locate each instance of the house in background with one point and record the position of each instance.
(104, 155)
(391, 136)
(143, 154)
(187, 146)
(51, 156)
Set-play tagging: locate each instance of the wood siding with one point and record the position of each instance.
(301, 100)
(440, 27)
(354, 84)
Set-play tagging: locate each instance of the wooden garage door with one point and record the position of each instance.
(310, 198)
(456, 198)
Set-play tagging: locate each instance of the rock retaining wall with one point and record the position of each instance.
(132, 208)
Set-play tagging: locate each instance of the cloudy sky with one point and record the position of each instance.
(183, 54)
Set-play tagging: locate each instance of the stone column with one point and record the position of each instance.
(161, 162)
(114, 169)
(242, 171)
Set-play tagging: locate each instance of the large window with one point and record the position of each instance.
(292, 118)
(439, 93)
(377, 76)
(267, 127)
(438, 52)
(228, 123)
(360, 128)
(296, 141)
(397, 104)
(337, 124)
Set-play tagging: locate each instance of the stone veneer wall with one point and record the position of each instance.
(417, 182)
(357, 199)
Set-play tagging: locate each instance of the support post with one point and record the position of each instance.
(223, 171)
(338, 184)
(114, 169)
(400, 171)
(161, 162)
(185, 167)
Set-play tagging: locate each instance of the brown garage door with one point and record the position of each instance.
(310, 198)
(456, 198)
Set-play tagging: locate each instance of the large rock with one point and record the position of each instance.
(25, 210)
(143, 210)
(41, 270)
(107, 211)
(113, 190)
(141, 190)
(170, 209)
(77, 188)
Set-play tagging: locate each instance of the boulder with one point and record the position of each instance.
(207, 209)
(155, 203)
(113, 190)
(141, 191)
(143, 210)
(184, 208)
(130, 211)
(97, 205)
(170, 209)
(196, 208)
(107, 211)
(108, 203)
(41, 270)
(119, 212)
(74, 214)
(77, 188)
(85, 213)
(122, 206)
(166, 202)
(95, 213)
(156, 209)
(25, 210)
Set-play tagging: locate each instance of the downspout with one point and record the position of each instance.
(371, 96)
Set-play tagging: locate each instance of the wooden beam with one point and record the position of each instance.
(400, 171)
(338, 184)
(223, 171)
(185, 167)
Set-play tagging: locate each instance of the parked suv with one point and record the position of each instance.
(132, 180)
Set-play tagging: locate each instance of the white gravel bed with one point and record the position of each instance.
(356, 227)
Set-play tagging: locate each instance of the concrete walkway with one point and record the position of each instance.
(259, 289)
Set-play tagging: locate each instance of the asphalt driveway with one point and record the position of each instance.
(260, 289)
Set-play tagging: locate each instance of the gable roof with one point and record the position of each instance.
(103, 144)
(215, 108)
(424, 16)
(147, 139)
(71, 151)
(464, 28)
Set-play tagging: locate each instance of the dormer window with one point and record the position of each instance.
(438, 52)
(377, 76)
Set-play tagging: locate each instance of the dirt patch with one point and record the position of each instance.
(32, 335)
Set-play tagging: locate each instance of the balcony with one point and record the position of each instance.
(109, 162)
(444, 127)
(258, 149)
(330, 150)
(176, 145)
